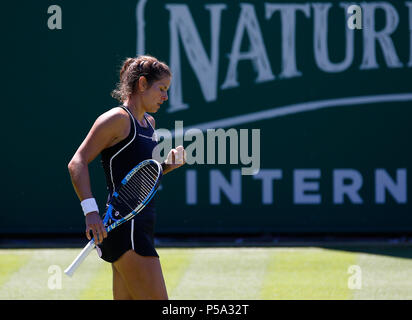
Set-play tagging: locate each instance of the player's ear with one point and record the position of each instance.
(142, 84)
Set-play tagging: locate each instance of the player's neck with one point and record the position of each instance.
(135, 108)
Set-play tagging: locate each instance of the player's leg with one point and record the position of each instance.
(120, 291)
(142, 276)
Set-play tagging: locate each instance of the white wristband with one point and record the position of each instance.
(89, 205)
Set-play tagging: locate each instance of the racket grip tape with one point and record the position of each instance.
(80, 258)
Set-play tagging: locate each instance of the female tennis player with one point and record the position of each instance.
(123, 138)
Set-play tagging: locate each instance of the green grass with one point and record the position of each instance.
(218, 273)
(317, 274)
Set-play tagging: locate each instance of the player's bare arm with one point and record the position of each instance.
(108, 129)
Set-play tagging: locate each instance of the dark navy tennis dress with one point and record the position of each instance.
(136, 234)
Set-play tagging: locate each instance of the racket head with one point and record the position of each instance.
(137, 188)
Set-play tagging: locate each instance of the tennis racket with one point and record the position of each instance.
(135, 192)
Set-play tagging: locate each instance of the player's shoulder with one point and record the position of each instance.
(151, 120)
(114, 116)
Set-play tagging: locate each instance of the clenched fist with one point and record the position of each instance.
(176, 156)
(175, 159)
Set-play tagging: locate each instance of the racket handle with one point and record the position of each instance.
(80, 258)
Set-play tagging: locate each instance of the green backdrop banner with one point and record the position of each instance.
(317, 95)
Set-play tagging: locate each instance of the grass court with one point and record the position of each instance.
(261, 273)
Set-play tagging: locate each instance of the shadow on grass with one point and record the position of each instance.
(396, 245)
(398, 251)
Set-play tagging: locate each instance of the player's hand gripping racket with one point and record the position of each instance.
(135, 192)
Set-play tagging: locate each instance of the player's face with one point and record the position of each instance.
(156, 94)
